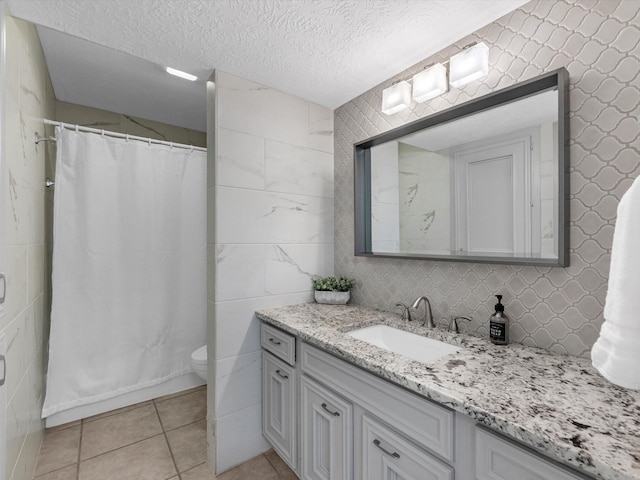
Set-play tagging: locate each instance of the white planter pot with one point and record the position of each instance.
(332, 298)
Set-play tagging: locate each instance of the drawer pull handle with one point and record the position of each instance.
(275, 342)
(376, 442)
(335, 414)
(282, 375)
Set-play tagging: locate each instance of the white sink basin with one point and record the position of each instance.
(416, 347)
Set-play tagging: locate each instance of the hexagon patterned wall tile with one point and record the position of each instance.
(559, 309)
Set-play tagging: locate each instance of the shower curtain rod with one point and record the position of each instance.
(80, 128)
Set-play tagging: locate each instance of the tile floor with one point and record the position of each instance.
(162, 439)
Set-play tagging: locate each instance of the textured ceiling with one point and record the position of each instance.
(326, 51)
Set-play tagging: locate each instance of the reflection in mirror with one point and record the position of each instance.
(487, 185)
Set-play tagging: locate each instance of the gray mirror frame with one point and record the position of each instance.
(557, 79)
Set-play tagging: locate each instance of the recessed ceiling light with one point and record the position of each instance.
(181, 74)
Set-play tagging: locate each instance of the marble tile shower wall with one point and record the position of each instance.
(273, 200)
(116, 122)
(559, 309)
(29, 98)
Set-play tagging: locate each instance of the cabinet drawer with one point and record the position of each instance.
(421, 420)
(279, 407)
(386, 454)
(502, 459)
(281, 344)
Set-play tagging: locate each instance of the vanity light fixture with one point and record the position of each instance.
(470, 64)
(396, 98)
(181, 74)
(430, 83)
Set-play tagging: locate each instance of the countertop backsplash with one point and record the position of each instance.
(558, 309)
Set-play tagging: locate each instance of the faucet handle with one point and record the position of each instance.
(454, 322)
(406, 313)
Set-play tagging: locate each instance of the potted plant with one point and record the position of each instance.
(332, 290)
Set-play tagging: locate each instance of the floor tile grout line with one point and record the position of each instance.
(79, 451)
(273, 467)
(121, 447)
(195, 466)
(166, 439)
(185, 425)
(36, 477)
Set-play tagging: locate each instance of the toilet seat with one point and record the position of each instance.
(199, 357)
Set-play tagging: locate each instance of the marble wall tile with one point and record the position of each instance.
(299, 170)
(115, 122)
(239, 437)
(248, 107)
(273, 218)
(36, 271)
(385, 225)
(12, 61)
(320, 128)
(297, 219)
(211, 266)
(15, 338)
(25, 467)
(238, 383)
(29, 99)
(237, 327)
(33, 71)
(240, 159)
(87, 116)
(290, 268)
(239, 271)
(23, 418)
(240, 215)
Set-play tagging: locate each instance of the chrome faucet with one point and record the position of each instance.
(454, 325)
(428, 316)
(406, 313)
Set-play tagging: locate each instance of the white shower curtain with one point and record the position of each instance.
(129, 267)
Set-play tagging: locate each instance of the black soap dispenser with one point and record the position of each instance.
(499, 324)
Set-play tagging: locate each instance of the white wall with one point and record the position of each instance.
(271, 218)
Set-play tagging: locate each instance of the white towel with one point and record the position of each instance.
(616, 354)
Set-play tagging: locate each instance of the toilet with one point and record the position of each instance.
(199, 362)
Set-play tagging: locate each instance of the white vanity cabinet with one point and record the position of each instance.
(396, 434)
(279, 393)
(326, 433)
(388, 455)
(498, 458)
(331, 420)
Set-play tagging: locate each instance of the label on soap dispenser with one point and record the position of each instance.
(498, 332)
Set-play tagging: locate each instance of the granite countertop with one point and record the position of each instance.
(556, 404)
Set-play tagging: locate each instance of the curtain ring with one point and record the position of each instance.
(77, 128)
(149, 140)
(127, 138)
(102, 133)
(171, 145)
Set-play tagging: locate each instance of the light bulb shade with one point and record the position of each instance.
(469, 65)
(430, 83)
(396, 98)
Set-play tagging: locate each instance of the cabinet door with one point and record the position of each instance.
(279, 407)
(327, 434)
(388, 456)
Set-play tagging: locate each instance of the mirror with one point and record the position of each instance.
(485, 181)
